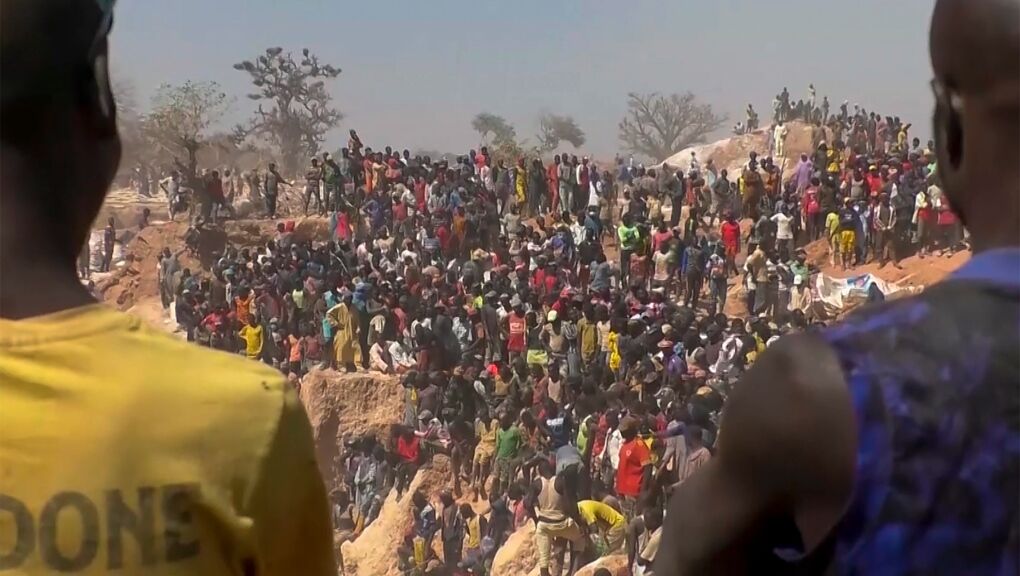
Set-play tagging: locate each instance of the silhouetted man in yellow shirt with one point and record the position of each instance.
(122, 449)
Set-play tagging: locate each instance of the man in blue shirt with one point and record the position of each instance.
(890, 443)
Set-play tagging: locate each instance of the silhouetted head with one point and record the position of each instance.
(975, 54)
(59, 129)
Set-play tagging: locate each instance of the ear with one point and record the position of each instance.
(97, 96)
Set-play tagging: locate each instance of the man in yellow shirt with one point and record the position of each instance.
(124, 450)
(251, 333)
(832, 229)
(485, 435)
(610, 523)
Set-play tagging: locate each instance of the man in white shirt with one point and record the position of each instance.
(779, 136)
(784, 233)
(485, 173)
(577, 230)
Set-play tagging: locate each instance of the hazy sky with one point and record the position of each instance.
(415, 72)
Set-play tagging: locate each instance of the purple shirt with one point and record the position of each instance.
(802, 173)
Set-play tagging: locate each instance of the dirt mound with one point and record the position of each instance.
(913, 271)
(518, 555)
(136, 280)
(125, 206)
(731, 153)
(616, 564)
(341, 405)
(374, 553)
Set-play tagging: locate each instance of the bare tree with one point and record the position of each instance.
(660, 126)
(553, 129)
(181, 118)
(502, 131)
(300, 112)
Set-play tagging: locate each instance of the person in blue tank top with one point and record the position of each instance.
(889, 444)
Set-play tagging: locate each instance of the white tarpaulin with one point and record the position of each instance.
(839, 294)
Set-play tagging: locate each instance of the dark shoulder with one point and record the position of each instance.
(790, 418)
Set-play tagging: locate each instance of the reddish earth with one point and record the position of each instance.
(344, 406)
(518, 555)
(137, 281)
(913, 271)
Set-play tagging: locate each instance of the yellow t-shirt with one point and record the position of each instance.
(125, 450)
(486, 436)
(832, 224)
(592, 511)
(252, 336)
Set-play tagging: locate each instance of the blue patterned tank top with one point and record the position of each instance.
(935, 381)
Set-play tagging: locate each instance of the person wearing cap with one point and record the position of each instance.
(554, 336)
(185, 313)
(221, 489)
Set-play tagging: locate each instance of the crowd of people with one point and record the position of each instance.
(562, 332)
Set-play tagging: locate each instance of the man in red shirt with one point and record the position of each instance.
(730, 232)
(635, 469)
(875, 181)
(409, 451)
(515, 344)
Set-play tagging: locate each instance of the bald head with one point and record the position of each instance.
(975, 54)
(59, 133)
(44, 46)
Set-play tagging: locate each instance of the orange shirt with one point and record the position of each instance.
(634, 456)
(295, 349)
(243, 307)
(459, 226)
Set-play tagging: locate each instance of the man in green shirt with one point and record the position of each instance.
(629, 236)
(508, 444)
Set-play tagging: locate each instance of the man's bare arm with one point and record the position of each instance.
(786, 451)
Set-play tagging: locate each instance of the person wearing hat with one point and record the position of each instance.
(800, 295)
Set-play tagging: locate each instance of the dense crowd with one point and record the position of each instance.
(562, 331)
